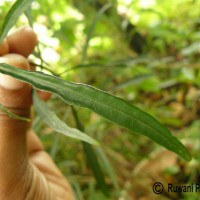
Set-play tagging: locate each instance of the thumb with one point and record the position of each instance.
(16, 96)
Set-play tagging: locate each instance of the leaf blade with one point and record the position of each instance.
(112, 108)
(18, 8)
(51, 119)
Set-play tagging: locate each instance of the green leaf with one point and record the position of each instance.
(18, 8)
(92, 159)
(91, 29)
(13, 115)
(29, 16)
(51, 119)
(96, 168)
(107, 166)
(112, 108)
(132, 81)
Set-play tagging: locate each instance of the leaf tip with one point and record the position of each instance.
(96, 143)
(184, 153)
(187, 157)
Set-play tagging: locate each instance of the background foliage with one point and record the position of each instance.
(146, 52)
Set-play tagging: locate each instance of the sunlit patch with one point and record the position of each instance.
(3, 2)
(8, 0)
(136, 18)
(103, 42)
(35, 5)
(74, 13)
(50, 55)
(45, 36)
(147, 3)
(123, 6)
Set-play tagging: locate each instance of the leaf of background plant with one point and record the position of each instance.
(132, 81)
(18, 8)
(13, 115)
(94, 164)
(91, 29)
(92, 159)
(107, 167)
(29, 16)
(52, 120)
(112, 108)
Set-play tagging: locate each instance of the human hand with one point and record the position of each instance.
(26, 170)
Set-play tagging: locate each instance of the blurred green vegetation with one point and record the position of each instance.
(145, 51)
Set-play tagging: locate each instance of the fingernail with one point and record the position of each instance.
(28, 28)
(21, 29)
(7, 81)
(10, 83)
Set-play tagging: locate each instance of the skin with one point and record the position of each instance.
(26, 170)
